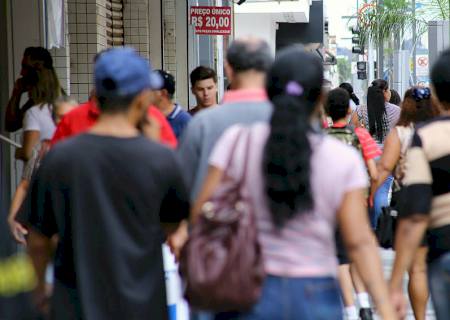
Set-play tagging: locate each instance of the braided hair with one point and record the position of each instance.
(294, 87)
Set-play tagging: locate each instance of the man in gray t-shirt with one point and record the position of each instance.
(248, 60)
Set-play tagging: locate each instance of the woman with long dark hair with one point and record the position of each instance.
(300, 184)
(45, 88)
(378, 117)
(417, 107)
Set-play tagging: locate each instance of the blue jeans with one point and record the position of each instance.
(297, 298)
(439, 282)
(380, 201)
(284, 298)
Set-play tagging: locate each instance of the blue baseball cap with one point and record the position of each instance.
(122, 72)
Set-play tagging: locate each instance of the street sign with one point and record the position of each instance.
(208, 20)
(422, 65)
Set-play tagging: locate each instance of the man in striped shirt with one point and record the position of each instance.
(427, 199)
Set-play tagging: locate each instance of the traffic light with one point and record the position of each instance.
(356, 41)
(361, 68)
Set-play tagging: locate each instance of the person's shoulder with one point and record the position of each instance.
(436, 121)
(38, 108)
(202, 116)
(80, 111)
(333, 148)
(430, 132)
(184, 115)
(393, 108)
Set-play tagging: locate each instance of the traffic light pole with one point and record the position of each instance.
(380, 51)
(414, 34)
(370, 62)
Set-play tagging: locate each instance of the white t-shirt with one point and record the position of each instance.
(39, 118)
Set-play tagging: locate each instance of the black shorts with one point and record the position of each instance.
(341, 251)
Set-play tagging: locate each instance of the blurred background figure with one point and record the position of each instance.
(37, 78)
(175, 114)
(43, 90)
(378, 117)
(204, 88)
(338, 107)
(354, 100)
(417, 107)
(395, 98)
(295, 206)
(61, 106)
(426, 190)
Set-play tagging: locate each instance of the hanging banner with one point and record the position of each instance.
(209, 20)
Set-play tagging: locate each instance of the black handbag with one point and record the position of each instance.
(387, 222)
(386, 227)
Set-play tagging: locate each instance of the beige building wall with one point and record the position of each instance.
(169, 24)
(87, 34)
(136, 25)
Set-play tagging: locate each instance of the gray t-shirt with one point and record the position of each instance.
(202, 132)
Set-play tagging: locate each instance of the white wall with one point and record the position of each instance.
(260, 19)
(260, 25)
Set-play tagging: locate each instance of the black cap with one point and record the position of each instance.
(168, 81)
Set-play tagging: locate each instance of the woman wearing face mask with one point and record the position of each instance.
(378, 117)
(301, 184)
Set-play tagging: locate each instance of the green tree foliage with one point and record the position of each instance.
(344, 70)
(391, 19)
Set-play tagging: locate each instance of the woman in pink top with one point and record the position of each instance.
(301, 184)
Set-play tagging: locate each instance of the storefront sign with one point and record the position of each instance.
(211, 20)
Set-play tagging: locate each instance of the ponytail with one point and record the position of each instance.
(376, 110)
(294, 90)
(286, 160)
(354, 98)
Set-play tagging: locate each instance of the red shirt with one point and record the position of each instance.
(370, 149)
(84, 116)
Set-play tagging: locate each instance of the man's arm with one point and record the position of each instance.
(189, 153)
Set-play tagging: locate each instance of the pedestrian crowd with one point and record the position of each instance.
(274, 201)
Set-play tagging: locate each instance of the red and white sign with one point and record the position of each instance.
(208, 20)
(422, 65)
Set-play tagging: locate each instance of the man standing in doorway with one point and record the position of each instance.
(204, 88)
(175, 114)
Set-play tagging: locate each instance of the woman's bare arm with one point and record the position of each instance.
(30, 140)
(388, 161)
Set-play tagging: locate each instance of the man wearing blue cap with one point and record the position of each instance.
(106, 193)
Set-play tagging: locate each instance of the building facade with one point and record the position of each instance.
(76, 30)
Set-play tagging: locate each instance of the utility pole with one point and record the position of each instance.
(414, 37)
(380, 49)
